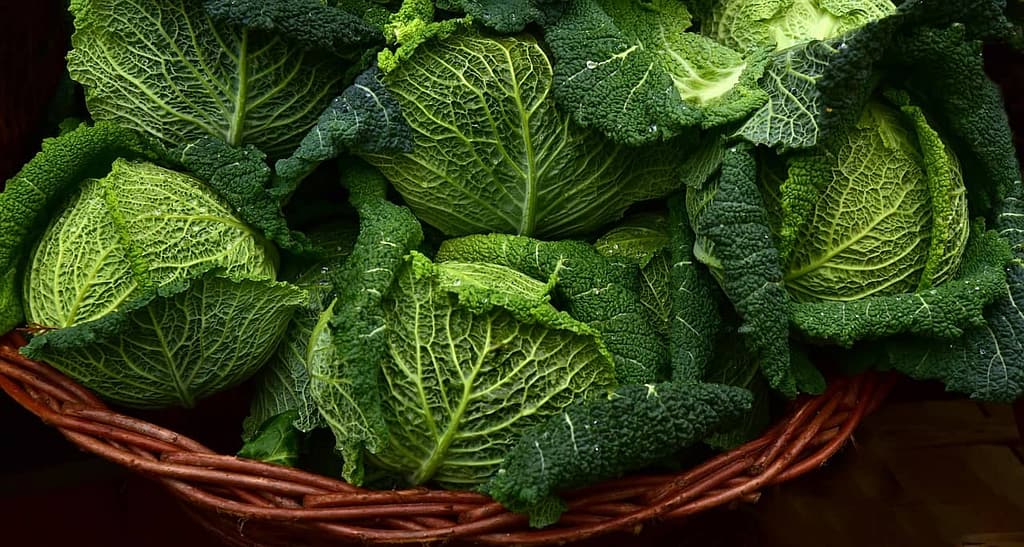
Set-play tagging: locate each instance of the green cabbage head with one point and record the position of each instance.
(152, 292)
(749, 24)
(879, 210)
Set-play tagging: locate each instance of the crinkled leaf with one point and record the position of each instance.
(594, 290)
(734, 238)
(309, 24)
(493, 154)
(694, 319)
(29, 199)
(944, 311)
(602, 439)
(241, 176)
(747, 24)
(477, 355)
(168, 70)
(364, 118)
(177, 345)
(138, 228)
(506, 16)
(347, 387)
(790, 117)
(630, 70)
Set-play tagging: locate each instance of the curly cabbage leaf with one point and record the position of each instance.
(594, 290)
(364, 118)
(168, 70)
(855, 226)
(176, 345)
(241, 177)
(790, 117)
(347, 387)
(630, 70)
(283, 385)
(734, 238)
(43, 184)
(932, 48)
(477, 355)
(139, 228)
(310, 24)
(506, 16)
(749, 24)
(493, 154)
(987, 362)
(602, 439)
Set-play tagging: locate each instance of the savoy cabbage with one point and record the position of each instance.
(571, 238)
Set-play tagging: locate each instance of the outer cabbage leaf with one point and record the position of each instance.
(167, 70)
(476, 356)
(593, 289)
(597, 440)
(310, 24)
(347, 387)
(930, 48)
(277, 441)
(283, 384)
(138, 228)
(493, 154)
(28, 202)
(854, 226)
(747, 24)
(630, 70)
(181, 343)
(988, 361)
(242, 178)
(506, 16)
(678, 295)
(364, 118)
(734, 239)
(790, 117)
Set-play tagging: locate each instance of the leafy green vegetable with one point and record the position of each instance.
(159, 294)
(734, 239)
(477, 355)
(184, 342)
(29, 199)
(506, 16)
(364, 118)
(347, 387)
(592, 441)
(276, 441)
(630, 70)
(167, 70)
(593, 289)
(310, 24)
(283, 384)
(505, 160)
(747, 24)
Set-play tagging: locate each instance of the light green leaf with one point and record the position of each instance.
(493, 154)
(183, 343)
(166, 69)
(139, 228)
(472, 365)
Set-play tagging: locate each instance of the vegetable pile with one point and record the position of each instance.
(520, 246)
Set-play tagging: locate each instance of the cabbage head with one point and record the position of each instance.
(476, 355)
(749, 24)
(152, 292)
(881, 210)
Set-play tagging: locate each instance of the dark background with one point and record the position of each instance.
(53, 494)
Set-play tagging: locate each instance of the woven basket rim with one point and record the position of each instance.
(223, 491)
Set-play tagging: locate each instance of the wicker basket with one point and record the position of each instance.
(252, 503)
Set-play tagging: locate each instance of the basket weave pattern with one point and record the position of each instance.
(252, 503)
